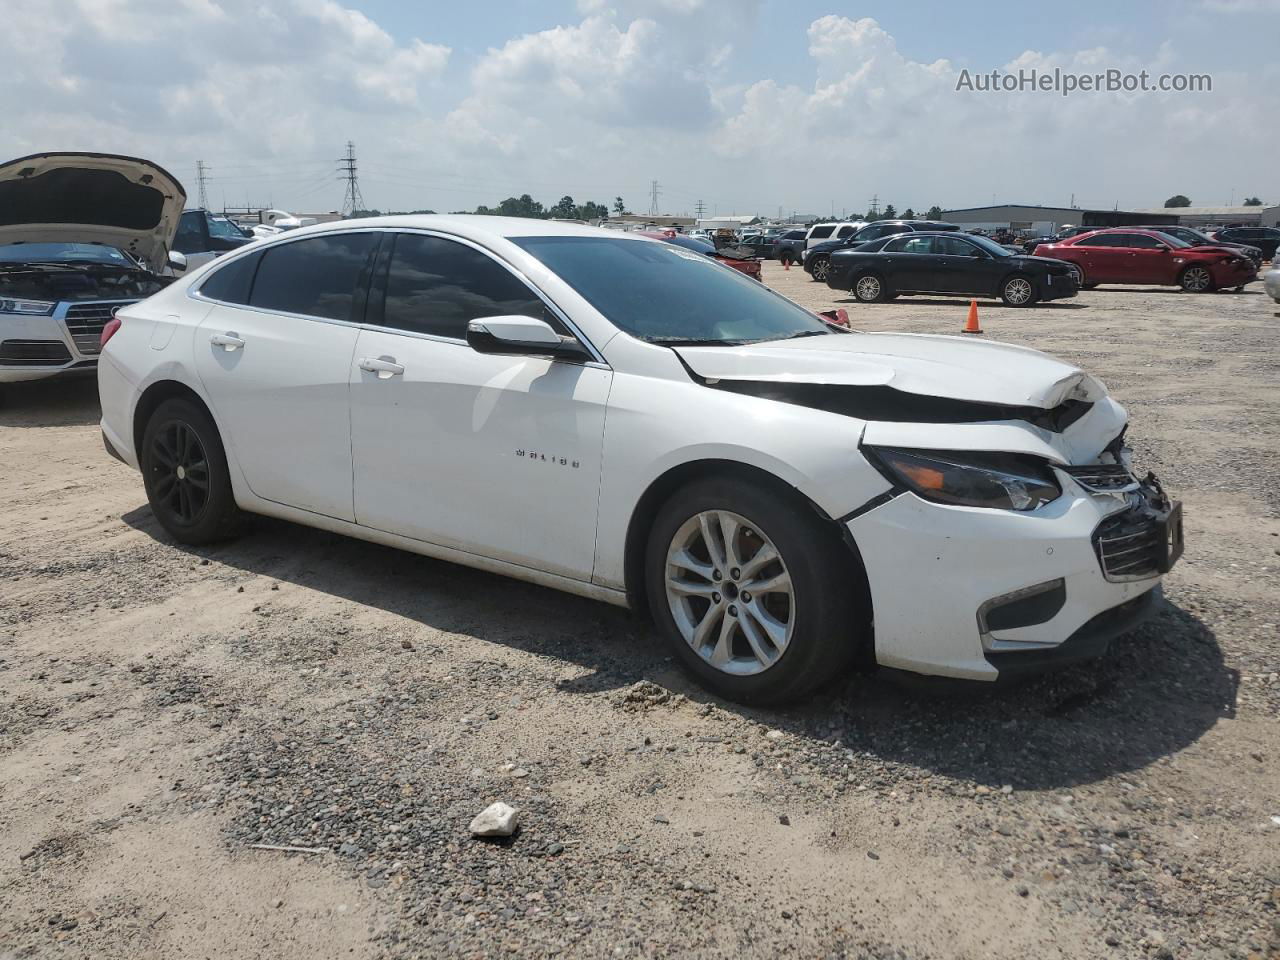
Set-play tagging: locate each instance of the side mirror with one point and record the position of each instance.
(177, 261)
(522, 336)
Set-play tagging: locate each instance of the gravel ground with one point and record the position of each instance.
(165, 712)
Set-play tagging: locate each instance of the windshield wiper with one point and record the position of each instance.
(797, 336)
(696, 342)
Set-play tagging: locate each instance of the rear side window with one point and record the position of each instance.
(318, 277)
(794, 235)
(844, 232)
(954, 247)
(438, 286)
(1102, 240)
(231, 284)
(820, 233)
(1142, 240)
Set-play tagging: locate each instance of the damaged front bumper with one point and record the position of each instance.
(976, 593)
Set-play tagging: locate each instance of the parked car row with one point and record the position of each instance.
(817, 257)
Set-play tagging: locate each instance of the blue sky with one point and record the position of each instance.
(750, 106)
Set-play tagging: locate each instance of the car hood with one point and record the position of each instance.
(123, 202)
(1234, 249)
(927, 365)
(1047, 261)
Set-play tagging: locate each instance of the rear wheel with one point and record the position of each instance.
(1018, 291)
(752, 590)
(184, 471)
(870, 288)
(1196, 279)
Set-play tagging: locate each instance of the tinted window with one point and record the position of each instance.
(820, 233)
(190, 235)
(844, 232)
(692, 243)
(910, 244)
(317, 277)
(438, 286)
(793, 235)
(1101, 240)
(231, 284)
(661, 293)
(954, 247)
(1145, 242)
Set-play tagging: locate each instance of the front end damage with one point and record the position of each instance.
(1055, 548)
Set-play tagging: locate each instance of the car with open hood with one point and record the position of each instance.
(626, 420)
(81, 235)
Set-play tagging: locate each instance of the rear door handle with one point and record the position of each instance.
(228, 341)
(384, 367)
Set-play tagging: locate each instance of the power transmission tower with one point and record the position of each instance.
(654, 193)
(202, 177)
(351, 200)
(698, 209)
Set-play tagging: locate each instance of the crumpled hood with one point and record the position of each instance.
(102, 198)
(933, 366)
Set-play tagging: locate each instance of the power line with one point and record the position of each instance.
(654, 193)
(351, 200)
(202, 177)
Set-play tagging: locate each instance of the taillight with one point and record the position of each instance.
(108, 331)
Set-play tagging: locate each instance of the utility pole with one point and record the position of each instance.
(202, 176)
(351, 200)
(875, 206)
(654, 193)
(698, 208)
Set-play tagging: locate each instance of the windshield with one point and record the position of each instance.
(692, 243)
(664, 294)
(224, 229)
(63, 253)
(989, 245)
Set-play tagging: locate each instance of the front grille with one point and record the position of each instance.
(86, 320)
(34, 353)
(1103, 477)
(1130, 545)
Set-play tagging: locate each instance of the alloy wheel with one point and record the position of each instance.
(1196, 279)
(180, 471)
(1017, 291)
(729, 592)
(820, 269)
(868, 288)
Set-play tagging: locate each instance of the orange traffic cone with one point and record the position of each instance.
(786, 264)
(971, 324)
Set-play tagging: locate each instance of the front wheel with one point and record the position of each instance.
(1196, 279)
(1018, 291)
(820, 268)
(869, 288)
(752, 590)
(184, 471)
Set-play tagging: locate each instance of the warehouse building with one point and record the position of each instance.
(1044, 221)
(1223, 216)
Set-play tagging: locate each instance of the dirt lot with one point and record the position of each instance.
(162, 709)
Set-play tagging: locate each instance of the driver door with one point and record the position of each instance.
(494, 455)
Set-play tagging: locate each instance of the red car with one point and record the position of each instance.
(1123, 255)
(747, 265)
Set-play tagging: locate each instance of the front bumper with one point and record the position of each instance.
(64, 343)
(1234, 274)
(1058, 287)
(934, 572)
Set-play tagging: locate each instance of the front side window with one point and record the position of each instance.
(316, 277)
(438, 286)
(1144, 242)
(663, 294)
(954, 247)
(1101, 240)
(224, 229)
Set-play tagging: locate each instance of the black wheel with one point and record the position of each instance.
(184, 470)
(786, 258)
(1088, 286)
(870, 288)
(1018, 290)
(1196, 279)
(819, 267)
(752, 590)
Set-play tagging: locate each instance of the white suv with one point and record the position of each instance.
(832, 231)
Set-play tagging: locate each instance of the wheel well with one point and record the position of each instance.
(666, 485)
(155, 395)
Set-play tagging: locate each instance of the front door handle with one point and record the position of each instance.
(384, 367)
(228, 341)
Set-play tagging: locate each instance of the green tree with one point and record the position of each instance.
(618, 206)
(935, 213)
(522, 206)
(908, 214)
(1178, 200)
(566, 209)
(1253, 202)
(592, 211)
(890, 212)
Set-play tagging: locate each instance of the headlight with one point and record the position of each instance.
(1004, 481)
(32, 308)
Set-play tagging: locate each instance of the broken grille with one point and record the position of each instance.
(1103, 477)
(86, 320)
(1130, 545)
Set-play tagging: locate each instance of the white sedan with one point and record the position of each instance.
(631, 421)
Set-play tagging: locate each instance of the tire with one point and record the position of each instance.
(180, 449)
(820, 267)
(1018, 290)
(771, 647)
(869, 288)
(1196, 279)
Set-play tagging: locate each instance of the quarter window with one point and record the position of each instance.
(438, 286)
(820, 233)
(317, 277)
(231, 284)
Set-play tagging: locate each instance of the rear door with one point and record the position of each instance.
(497, 456)
(274, 355)
(1097, 257)
(910, 265)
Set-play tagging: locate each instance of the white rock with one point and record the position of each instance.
(775, 734)
(495, 820)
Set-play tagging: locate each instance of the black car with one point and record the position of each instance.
(1064, 234)
(1266, 239)
(762, 246)
(790, 245)
(952, 263)
(1198, 239)
(818, 258)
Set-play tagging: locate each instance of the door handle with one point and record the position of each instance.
(228, 341)
(384, 367)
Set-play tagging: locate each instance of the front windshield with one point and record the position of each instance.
(989, 245)
(63, 253)
(664, 294)
(224, 229)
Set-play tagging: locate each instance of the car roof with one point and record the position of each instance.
(471, 226)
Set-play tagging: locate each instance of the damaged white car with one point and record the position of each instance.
(629, 421)
(81, 235)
